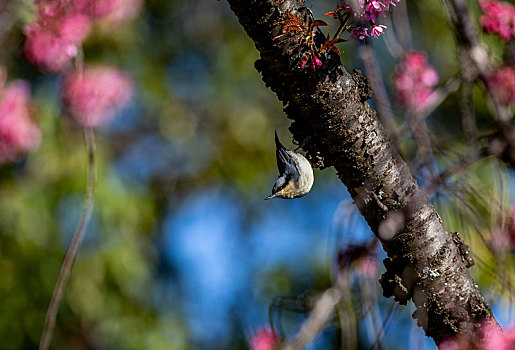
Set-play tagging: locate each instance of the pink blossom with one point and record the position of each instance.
(62, 25)
(377, 30)
(93, 97)
(449, 344)
(373, 10)
(48, 10)
(414, 81)
(416, 60)
(376, 5)
(264, 339)
(456, 343)
(51, 42)
(304, 61)
(498, 18)
(429, 77)
(367, 266)
(110, 13)
(495, 339)
(359, 33)
(489, 337)
(18, 133)
(502, 83)
(502, 239)
(123, 11)
(509, 334)
(387, 3)
(360, 257)
(499, 240)
(365, 12)
(315, 62)
(95, 8)
(75, 28)
(48, 51)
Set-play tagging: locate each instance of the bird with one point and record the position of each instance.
(295, 174)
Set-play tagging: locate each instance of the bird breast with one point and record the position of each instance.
(305, 182)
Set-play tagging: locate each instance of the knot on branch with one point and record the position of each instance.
(448, 325)
(463, 249)
(400, 276)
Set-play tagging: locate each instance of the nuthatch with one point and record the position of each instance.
(295, 173)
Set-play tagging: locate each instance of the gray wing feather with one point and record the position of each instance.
(282, 156)
(286, 165)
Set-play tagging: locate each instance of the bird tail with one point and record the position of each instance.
(278, 143)
(281, 154)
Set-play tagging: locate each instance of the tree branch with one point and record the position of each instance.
(426, 263)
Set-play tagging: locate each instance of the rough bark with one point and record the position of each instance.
(337, 127)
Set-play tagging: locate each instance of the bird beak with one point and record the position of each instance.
(270, 197)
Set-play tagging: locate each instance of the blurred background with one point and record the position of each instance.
(182, 252)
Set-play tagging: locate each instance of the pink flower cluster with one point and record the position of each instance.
(490, 337)
(365, 14)
(367, 266)
(93, 96)
(498, 18)
(361, 258)
(502, 83)
(18, 133)
(414, 81)
(315, 61)
(264, 339)
(502, 240)
(62, 25)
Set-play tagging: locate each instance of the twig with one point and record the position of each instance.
(384, 108)
(468, 120)
(343, 25)
(391, 42)
(422, 137)
(322, 310)
(385, 325)
(348, 322)
(418, 125)
(9, 11)
(71, 253)
(461, 165)
(402, 26)
(439, 95)
(368, 297)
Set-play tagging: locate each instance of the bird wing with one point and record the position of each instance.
(282, 156)
(288, 167)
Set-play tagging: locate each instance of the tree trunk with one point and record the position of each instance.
(337, 127)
